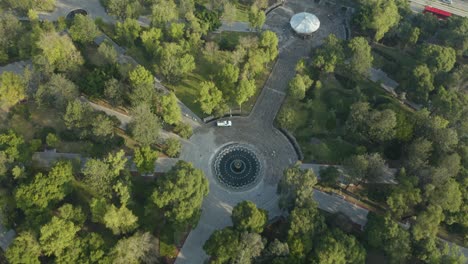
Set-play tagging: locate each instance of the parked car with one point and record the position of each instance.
(447, 1)
(225, 123)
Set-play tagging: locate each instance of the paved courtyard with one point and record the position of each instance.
(272, 148)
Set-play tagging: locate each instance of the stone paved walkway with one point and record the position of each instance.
(257, 130)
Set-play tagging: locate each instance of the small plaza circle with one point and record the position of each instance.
(237, 167)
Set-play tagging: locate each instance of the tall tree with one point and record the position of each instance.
(124, 9)
(45, 189)
(386, 234)
(100, 175)
(210, 97)
(83, 29)
(57, 92)
(120, 220)
(223, 245)
(128, 31)
(169, 109)
(438, 58)
(163, 11)
(360, 56)
(139, 248)
(12, 89)
(245, 90)
(24, 249)
(299, 85)
(145, 159)
(142, 86)
(145, 125)
(330, 55)
(378, 15)
(256, 18)
(295, 187)
(57, 235)
(151, 40)
(175, 62)
(180, 193)
(427, 223)
(269, 42)
(247, 217)
(57, 53)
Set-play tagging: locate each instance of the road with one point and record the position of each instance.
(458, 7)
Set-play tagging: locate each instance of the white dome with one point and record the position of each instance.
(305, 23)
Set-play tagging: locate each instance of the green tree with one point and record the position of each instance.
(172, 147)
(245, 90)
(360, 56)
(299, 85)
(142, 85)
(57, 92)
(24, 249)
(100, 175)
(70, 213)
(175, 62)
(247, 217)
(145, 159)
(222, 245)
(365, 168)
(403, 199)
(305, 221)
(176, 31)
(83, 29)
(227, 78)
(438, 58)
(57, 53)
(120, 220)
(336, 247)
(145, 125)
(295, 187)
(288, 118)
(378, 15)
(127, 31)
(151, 40)
(139, 248)
(98, 208)
(384, 233)
(455, 34)
(113, 92)
(11, 28)
(52, 140)
(169, 109)
(57, 235)
(180, 193)
(330, 55)
(183, 130)
(446, 195)
(102, 126)
(44, 190)
(77, 114)
(210, 97)
(250, 247)
(422, 83)
(124, 9)
(107, 54)
(256, 18)
(269, 42)
(329, 176)
(12, 89)
(163, 11)
(427, 223)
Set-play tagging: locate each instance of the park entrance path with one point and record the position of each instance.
(272, 148)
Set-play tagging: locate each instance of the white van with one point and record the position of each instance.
(225, 123)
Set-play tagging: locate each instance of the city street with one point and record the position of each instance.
(458, 7)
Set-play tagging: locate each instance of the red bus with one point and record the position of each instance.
(441, 14)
